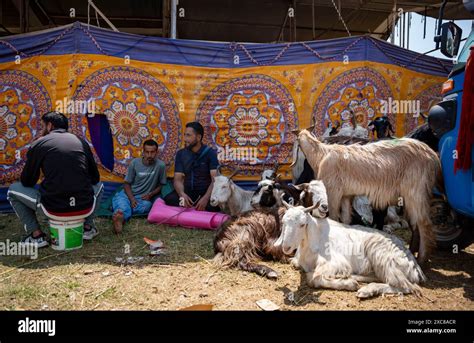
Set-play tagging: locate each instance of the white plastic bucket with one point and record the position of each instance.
(67, 235)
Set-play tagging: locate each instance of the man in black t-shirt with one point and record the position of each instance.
(194, 171)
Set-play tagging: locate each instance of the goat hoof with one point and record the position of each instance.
(352, 285)
(363, 293)
(272, 275)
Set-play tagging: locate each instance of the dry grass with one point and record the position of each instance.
(90, 278)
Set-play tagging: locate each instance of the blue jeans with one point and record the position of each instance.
(121, 202)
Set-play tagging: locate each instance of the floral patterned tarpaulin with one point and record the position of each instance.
(252, 105)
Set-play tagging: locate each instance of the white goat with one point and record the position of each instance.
(392, 220)
(349, 131)
(231, 198)
(337, 256)
(270, 173)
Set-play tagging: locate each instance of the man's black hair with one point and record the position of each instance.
(197, 127)
(58, 120)
(150, 142)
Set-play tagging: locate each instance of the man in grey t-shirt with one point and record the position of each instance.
(143, 182)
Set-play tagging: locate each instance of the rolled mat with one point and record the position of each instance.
(186, 217)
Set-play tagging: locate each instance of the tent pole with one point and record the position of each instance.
(424, 24)
(282, 29)
(165, 16)
(174, 4)
(103, 16)
(403, 29)
(408, 30)
(394, 22)
(294, 20)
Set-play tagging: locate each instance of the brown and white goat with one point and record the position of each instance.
(244, 240)
(385, 171)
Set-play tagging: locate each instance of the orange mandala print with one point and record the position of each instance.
(359, 91)
(251, 116)
(138, 107)
(23, 100)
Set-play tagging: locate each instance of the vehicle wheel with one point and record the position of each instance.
(451, 228)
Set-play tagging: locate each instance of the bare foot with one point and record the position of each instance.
(117, 219)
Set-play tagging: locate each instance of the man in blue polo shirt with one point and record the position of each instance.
(194, 171)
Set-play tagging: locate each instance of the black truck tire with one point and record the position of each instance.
(453, 231)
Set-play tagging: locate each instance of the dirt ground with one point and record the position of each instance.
(92, 279)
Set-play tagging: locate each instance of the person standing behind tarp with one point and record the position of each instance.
(194, 171)
(71, 180)
(145, 177)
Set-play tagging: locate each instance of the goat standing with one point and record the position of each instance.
(384, 171)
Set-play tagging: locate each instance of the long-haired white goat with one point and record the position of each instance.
(384, 171)
(339, 256)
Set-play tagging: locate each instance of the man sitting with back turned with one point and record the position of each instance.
(70, 186)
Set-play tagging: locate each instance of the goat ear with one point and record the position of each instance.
(302, 186)
(296, 131)
(287, 205)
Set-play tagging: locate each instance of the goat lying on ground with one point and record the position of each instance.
(250, 237)
(228, 196)
(337, 256)
(384, 171)
(231, 198)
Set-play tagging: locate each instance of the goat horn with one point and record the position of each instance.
(276, 166)
(287, 205)
(236, 170)
(309, 209)
(311, 128)
(295, 158)
(219, 167)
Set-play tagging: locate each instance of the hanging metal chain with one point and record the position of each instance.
(340, 18)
